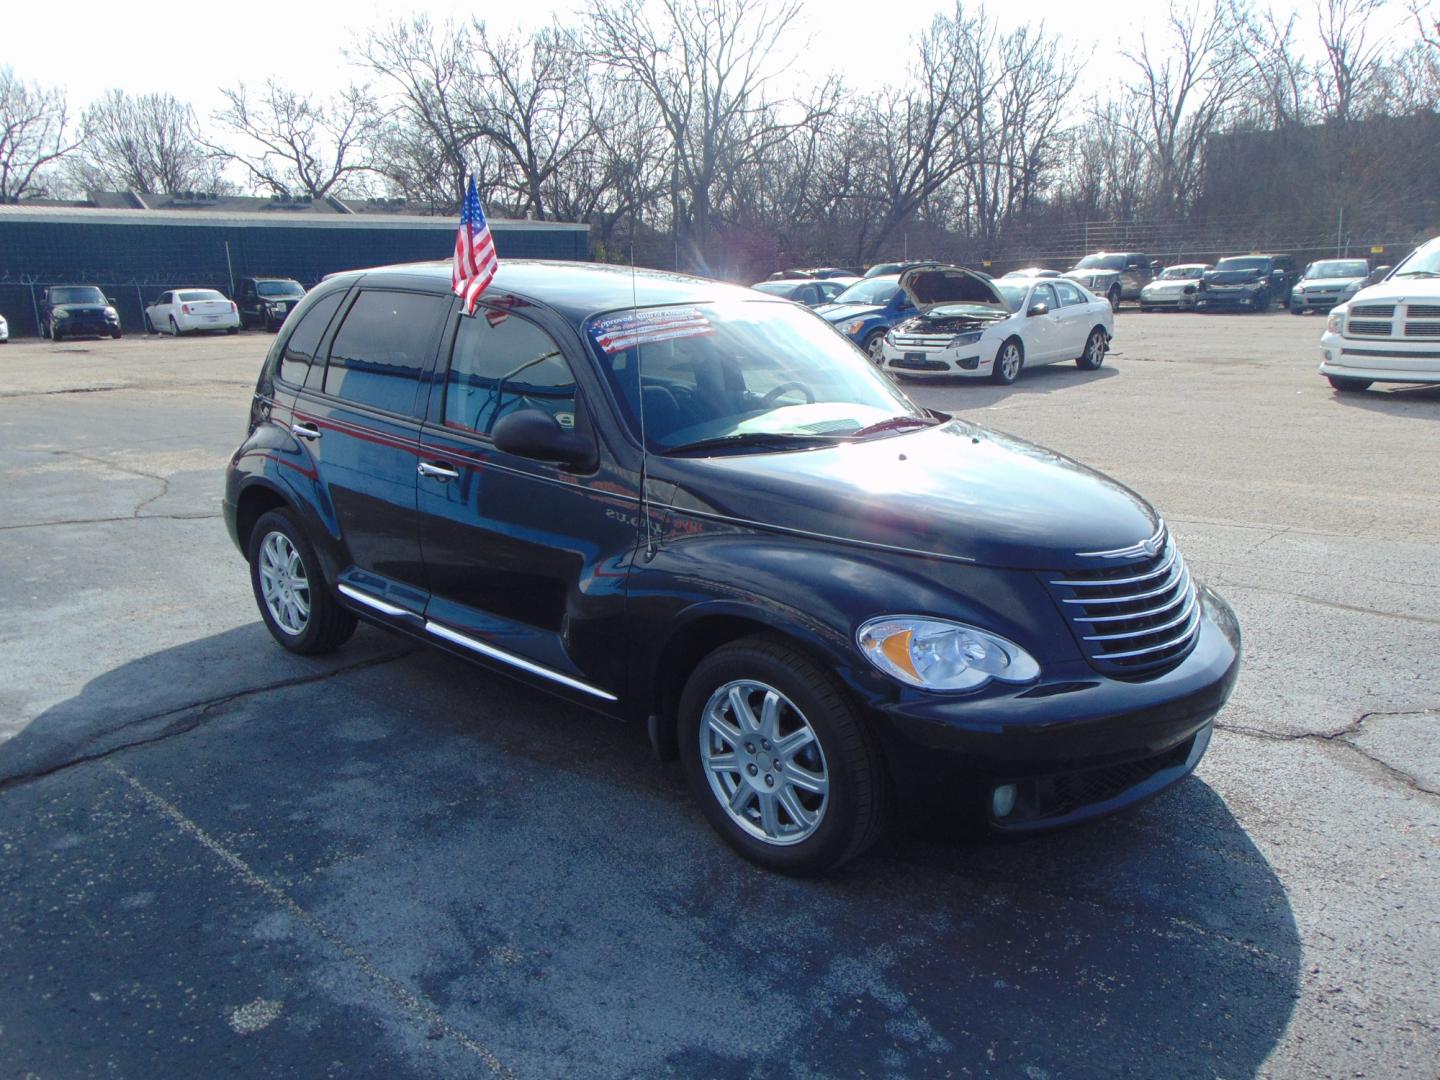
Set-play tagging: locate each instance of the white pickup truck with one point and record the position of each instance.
(1389, 332)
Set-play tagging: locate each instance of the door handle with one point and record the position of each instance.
(439, 472)
(305, 431)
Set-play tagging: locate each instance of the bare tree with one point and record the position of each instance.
(428, 140)
(1277, 76)
(295, 144)
(1187, 86)
(707, 65)
(33, 133)
(148, 143)
(1353, 55)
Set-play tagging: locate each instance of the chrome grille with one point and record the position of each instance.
(1133, 619)
(927, 342)
(1374, 311)
(1423, 311)
(1369, 328)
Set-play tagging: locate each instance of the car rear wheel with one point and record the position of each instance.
(1349, 386)
(779, 759)
(174, 327)
(1114, 297)
(149, 326)
(1008, 362)
(294, 599)
(1094, 354)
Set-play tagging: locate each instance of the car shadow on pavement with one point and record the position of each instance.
(961, 394)
(415, 866)
(1395, 400)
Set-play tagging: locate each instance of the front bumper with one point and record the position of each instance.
(1180, 300)
(1380, 359)
(1214, 299)
(1320, 301)
(1077, 745)
(86, 326)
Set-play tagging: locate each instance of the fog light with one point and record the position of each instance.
(1003, 800)
(1329, 357)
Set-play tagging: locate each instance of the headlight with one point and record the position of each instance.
(965, 339)
(62, 314)
(1335, 324)
(935, 654)
(855, 327)
(1354, 286)
(111, 313)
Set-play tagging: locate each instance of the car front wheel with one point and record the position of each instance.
(875, 346)
(294, 599)
(781, 763)
(1349, 386)
(1008, 362)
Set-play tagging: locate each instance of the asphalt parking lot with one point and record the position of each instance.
(216, 857)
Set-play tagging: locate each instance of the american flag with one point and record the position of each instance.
(475, 261)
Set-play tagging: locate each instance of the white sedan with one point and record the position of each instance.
(972, 327)
(4, 330)
(180, 311)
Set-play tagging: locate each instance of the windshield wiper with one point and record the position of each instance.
(894, 423)
(1418, 273)
(764, 440)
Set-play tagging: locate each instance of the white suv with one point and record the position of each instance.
(1389, 332)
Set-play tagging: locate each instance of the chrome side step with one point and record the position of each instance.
(515, 661)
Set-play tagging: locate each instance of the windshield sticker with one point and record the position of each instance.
(619, 332)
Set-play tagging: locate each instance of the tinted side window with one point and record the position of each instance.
(382, 347)
(305, 339)
(502, 364)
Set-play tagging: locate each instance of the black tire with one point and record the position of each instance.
(872, 346)
(857, 805)
(1000, 373)
(1094, 354)
(1262, 302)
(55, 334)
(117, 334)
(1349, 386)
(150, 326)
(232, 330)
(329, 625)
(1297, 310)
(1146, 310)
(1114, 297)
(174, 327)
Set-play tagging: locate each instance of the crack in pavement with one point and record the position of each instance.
(202, 710)
(396, 990)
(66, 390)
(109, 520)
(1425, 620)
(1342, 737)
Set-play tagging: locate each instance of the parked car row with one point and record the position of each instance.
(71, 311)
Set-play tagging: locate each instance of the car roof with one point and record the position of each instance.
(574, 290)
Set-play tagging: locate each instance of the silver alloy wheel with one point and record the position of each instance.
(174, 327)
(764, 762)
(1095, 349)
(1010, 361)
(284, 584)
(876, 347)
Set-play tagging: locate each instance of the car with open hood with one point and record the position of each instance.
(867, 309)
(1246, 283)
(70, 311)
(970, 326)
(698, 509)
(1388, 332)
(1175, 287)
(1115, 275)
(1327, 283)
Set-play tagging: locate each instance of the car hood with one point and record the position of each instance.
(1171, 285)
(1400, 291)
(836, 312)
(1076, 272)
(956, 491)
(1329, 282)
(1234, 277)
(931, 286)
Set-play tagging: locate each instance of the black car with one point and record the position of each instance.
(1247, 283)
(68, 311)
(691, 506)
(265, 302)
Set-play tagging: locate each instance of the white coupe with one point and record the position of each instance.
(180, 311)
(972, 327)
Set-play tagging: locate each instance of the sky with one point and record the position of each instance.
(192, 50)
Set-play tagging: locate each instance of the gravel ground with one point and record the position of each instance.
(217, 857)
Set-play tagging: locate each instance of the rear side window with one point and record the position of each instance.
(382, 347)
(305, 339)
(1069, 294)
(502, 364)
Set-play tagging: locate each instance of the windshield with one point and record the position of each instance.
(1336, 268)
(1014, 294)
(879, 291)
(1101, 262)
(1243, 263)
(77, 294)
(200, 294)
(1181, 273)
(741, 369)
(1424, 262)
(279, 288)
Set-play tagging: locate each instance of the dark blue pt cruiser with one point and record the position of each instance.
(685, 504)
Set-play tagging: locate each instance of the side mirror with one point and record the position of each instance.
(1277, 273)
(1156, 264)
(110, 300)
(1037, 310)
(531, 433)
